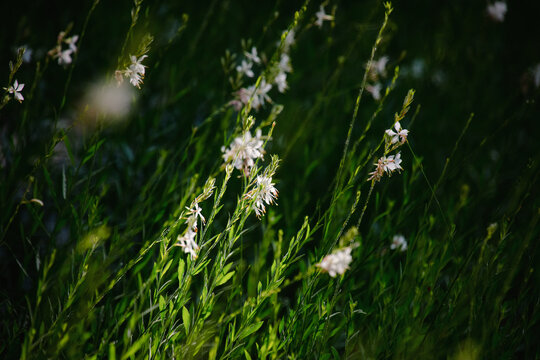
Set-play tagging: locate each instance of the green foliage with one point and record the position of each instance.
(99, 202)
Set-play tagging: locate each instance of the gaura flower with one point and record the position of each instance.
(337, 262)
(16, 91)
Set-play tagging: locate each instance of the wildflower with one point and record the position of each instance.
(187, 242)
(16, 91)
(399, 135)
(245, 68)
(289, 40)
(64, 56)
(285, 63)
(337, 262)
(378, 68)
(322, 16)
(244, 150)
(375, 91)
(261, 93)
(71, 42)
(253, 56)
(497, 10)
(264, 192)
(281, 82)
(399, 243)
(135, 71)
(194, 213)
(27, 55)
(386, 164)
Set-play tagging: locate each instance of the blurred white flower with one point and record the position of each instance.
(71, 42)
(281, 82)
(398, 135)
(336, 263)
(399, 243)
(536, 75)
(244, 150)
(16, 91)
(195, 212)
(322, 16)
(253, 56)
(187, 242)
(64, 58)
(264, 192)
(497, 10)
(106, 100)
(375, 90)
(378, 68)
(245, 68)
(289, 40)
(285, 63)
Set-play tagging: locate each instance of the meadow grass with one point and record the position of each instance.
(161, 198)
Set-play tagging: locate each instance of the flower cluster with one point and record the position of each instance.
(376, 71)
(337, 262)
(264, 192)
(244, 150)
(497, 11)
(135, 72)
(257, 95)
(60, 53)
(399, 243)
(16, 91)
(187, 240)
(391, 163)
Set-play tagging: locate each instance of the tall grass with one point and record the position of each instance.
(132, 228)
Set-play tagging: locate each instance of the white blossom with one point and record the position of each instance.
(71, 42)
(375, 90)
(399, 243)
(245, 68)
(264, 192)
(187, 242)
(16, 91)
(253, 56)
(285, 63)
(64, 58)
(386, 165)
(322, 16)
(244, 150)
(398, 135)
(281, 82)
(195, 212)
(289, 40)
(497, 10)
(378, 68)
(336, 263)
(135, 71)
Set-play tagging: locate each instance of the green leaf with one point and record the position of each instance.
(186, 319)
(222, 280)
(181, 270)
(246, 354)
(161, 303)
(250, 330)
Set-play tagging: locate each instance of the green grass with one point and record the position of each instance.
(93, 205)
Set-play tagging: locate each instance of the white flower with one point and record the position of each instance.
(136, 65)
(16, 91)
(375, 90)
(322, 16)
(64, 57)
(289, 40)
(71, 42)
(386, 164)
(264, 192)
(194, 213)
(398, 135)
(245, 68)
(187, 242)
(399, 243)
(378, 68)
(285, 63)
(337, 262)
(253, 56)
(281, 81)
(262, 92)
(497, 10)
(244, 150)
